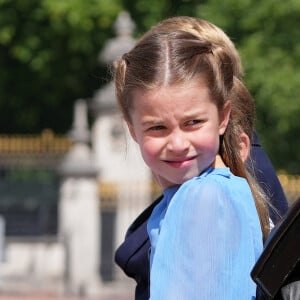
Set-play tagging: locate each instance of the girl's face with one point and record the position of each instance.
(177, 129)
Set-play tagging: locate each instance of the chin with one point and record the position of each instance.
(186, 178)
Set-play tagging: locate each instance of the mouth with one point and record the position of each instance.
(182, 162)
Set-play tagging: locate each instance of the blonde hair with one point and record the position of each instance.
(181, 49)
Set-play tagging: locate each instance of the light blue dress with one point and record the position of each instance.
(205, 238)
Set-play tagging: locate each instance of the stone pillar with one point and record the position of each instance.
(79, 211)
(2, 238)
(116, 154)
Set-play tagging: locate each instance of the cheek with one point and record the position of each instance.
(207, 142)
(150, 149)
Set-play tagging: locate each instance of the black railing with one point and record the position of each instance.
(28, 201)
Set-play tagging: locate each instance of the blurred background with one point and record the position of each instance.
(70, 180)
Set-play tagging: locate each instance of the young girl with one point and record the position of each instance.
(174, 89)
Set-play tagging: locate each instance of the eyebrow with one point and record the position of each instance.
(151, 122)
(195, 114)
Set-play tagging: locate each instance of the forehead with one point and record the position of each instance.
(175, 99)
(167, 90)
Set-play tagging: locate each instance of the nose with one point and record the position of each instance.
(178, 142)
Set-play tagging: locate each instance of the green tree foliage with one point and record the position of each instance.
(268, 38)
(147, 13)
(48, 59)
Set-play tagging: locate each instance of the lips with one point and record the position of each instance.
(180, 163)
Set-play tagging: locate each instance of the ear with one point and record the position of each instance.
(224, 117)
(244, 146)
(131, 130)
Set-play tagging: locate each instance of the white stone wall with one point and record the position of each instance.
(119, 160)
(29, 263)
(79, 231)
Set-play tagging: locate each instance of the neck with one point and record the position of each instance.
(218, 162)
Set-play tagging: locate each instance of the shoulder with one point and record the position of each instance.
(217, 183)
(217, 194)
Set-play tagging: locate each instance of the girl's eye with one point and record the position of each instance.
(157, 128)
(193, 122)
